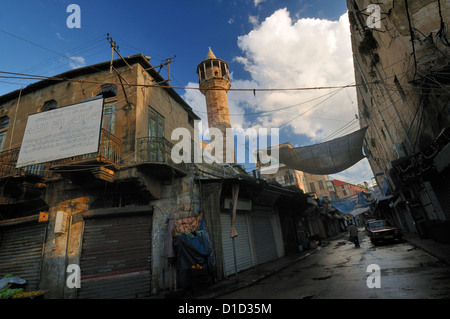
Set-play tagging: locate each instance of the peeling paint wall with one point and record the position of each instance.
(180, 199)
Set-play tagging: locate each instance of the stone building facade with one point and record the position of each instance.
(401, 53)
(121, 215)
(106, 212)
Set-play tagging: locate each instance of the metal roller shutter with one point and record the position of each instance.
(116, 257)
(21, 252)
(244, 258)
(263, 236)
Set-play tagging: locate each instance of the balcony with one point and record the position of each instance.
(154, 154)
(8, 160)
(20, 184)
(102, 164)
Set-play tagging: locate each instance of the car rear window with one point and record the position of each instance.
(378, 224)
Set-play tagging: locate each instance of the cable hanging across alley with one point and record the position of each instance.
(15, 75)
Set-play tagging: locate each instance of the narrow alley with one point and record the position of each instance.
(340, 271)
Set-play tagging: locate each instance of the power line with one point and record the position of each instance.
(54, 78)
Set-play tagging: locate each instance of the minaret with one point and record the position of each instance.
(214, 82)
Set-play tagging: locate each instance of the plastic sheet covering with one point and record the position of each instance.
(343, 205)
(11, 280)
(194, 249)
(326, 158)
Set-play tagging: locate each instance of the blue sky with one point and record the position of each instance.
(267, 43)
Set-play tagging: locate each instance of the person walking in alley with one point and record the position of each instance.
(353, 230)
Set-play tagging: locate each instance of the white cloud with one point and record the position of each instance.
(76, 62)
(60, 36)
(257, 2)
(358, 173)
(253, 20)
(282, 53)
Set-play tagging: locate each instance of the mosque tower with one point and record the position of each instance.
(214, 82)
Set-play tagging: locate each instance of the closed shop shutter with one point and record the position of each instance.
(21, 252)
(290, 238)
(263, 237)
(116, 257)
(244, 257)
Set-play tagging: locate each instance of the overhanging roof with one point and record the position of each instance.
(99, 67)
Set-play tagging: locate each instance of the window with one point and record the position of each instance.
(157, 146)
(49, 105)
(344, 192)
(4, 123)
(312, 187)
(109, 117)
(107, 91)
(156, 123)
(321, 185)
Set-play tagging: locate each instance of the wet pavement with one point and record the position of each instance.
(416, 268)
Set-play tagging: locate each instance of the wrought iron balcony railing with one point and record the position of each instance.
(8, 161)
(157, 150)
(108, 154)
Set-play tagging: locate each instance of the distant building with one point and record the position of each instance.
(320, 185)
(346, 190)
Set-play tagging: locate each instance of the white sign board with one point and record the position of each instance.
(61, 133)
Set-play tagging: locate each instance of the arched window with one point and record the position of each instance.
(107, 90)
(49, 105)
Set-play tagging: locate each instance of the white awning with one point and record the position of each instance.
(359, 211)
(326, 158)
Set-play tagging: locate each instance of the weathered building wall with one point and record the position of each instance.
(180, 199)
(401, 70)
(76, 191)
(67, 93)
(390, 94)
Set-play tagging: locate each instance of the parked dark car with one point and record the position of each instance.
(381, 230)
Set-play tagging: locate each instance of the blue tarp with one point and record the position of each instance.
(364, 200)
(194, 249)
(346, 205)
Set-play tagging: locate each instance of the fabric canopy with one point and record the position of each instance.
(326, 158)
(358, 211)
(343, 205)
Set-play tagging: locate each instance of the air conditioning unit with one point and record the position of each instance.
(60, 222)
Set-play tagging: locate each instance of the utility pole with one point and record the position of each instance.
(168, 62)
(113, 46)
